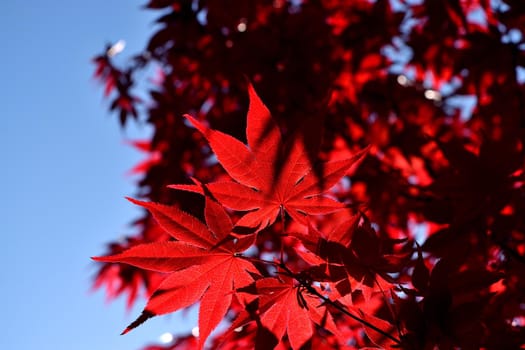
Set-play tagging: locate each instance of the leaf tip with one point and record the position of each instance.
(187, 188)
(197, 124)
(107, 259)
(137, 202)
(251, 89)
(144, 316)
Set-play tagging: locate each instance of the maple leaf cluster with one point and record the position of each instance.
(380, 204)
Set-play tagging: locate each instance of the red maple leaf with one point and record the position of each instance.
(352, 255)
(203, 264)
(271, 175)
(285, 307)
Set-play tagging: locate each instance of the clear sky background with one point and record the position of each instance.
(63, 164)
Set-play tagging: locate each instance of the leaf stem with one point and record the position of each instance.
(281, 211)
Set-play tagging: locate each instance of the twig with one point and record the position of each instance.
(281, 211)
(307, 286)
(392, 313)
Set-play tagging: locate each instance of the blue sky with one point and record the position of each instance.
(63, 175)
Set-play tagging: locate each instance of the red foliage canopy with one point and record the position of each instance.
(384, 191)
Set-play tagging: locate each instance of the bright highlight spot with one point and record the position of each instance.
(166, 338)
(402, 80)
(195, 332)
(518, 321)
(432, 95)
(238, 329)
(241, 27)
(117, 48)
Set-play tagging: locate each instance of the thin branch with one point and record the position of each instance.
(307, 286)
(338, 306)
(392, 312)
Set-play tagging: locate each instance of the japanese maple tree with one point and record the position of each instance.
(329, 174)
